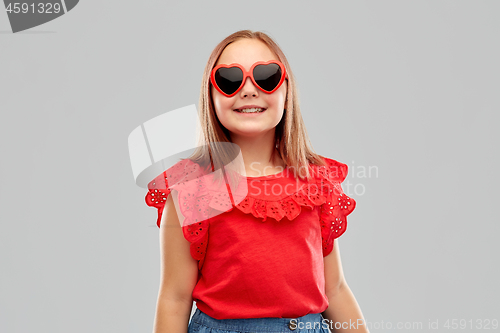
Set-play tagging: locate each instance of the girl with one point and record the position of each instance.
(266, 262)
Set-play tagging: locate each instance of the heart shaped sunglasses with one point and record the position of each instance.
(265, 75)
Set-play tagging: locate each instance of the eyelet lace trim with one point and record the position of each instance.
(338, 205)
(324, 191)
(309, 195)
(333, 219)
(158, 191)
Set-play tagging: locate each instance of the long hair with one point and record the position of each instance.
(291, 139)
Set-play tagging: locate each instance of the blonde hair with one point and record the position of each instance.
(291, 137)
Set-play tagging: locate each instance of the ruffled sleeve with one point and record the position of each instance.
(337, 206)
(181, 177)
(157, 194)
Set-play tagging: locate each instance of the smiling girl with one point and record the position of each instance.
(269, 263)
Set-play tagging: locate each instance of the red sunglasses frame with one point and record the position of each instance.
(249, 74)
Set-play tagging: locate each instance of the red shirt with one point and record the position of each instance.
(261, 256)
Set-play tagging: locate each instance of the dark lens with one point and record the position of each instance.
(267, 76)
(228, 79)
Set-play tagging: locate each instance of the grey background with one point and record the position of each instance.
(410, 87)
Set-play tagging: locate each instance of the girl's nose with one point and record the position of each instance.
(249, 88)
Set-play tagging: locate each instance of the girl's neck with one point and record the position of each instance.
(256, 152)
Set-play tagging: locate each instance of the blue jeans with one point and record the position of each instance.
(311, 323)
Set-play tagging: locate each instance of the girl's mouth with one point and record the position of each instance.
(250, 110)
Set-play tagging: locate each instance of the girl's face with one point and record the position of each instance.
(247, 52)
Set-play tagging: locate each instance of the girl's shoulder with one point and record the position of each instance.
(334, 171)
(181, 172)
(178, 175)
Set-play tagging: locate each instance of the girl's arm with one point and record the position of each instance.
(179, 274)
(343, 313)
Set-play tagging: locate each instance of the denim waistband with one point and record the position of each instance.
(259, 324)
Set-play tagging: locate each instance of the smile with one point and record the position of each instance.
(250, 110)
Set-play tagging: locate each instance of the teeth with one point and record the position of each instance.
(251, 110)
